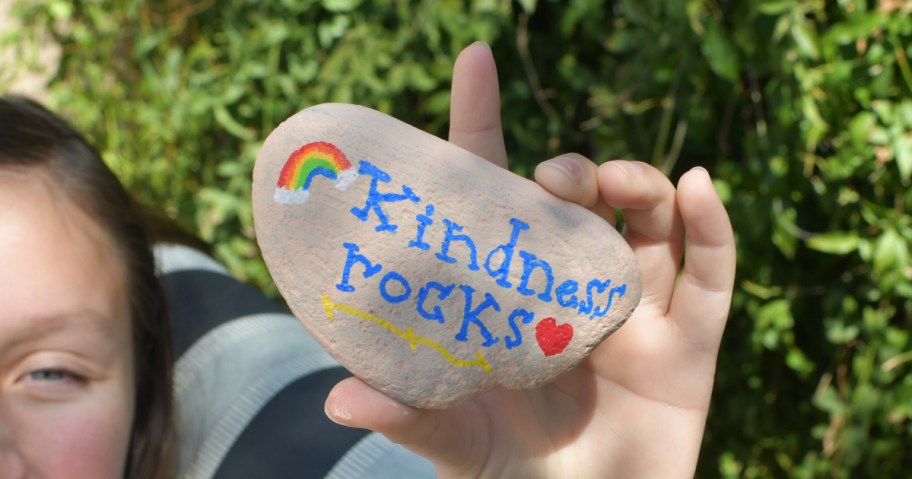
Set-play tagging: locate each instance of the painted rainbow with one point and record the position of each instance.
(307, 163)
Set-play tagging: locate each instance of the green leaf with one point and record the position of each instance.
(720, 53)
(694, 12)
(775, 7)
(828, 400)
(61, 10)
(846, 32)
(841, 333)
(723, 189)
(329, 32)
(805, 39)
(420, 79)
(799, 362)
(902, 149)
(784, 231)
(890, 251)
(783, 24)
(761, 291)
(772, 320)
(836, 242)
(224, 118)
(860, 127)
(528, 6)
(812, 113)
(340, 6)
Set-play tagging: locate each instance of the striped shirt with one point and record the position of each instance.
(250, 384)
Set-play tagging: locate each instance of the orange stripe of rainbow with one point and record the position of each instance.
(310, 160)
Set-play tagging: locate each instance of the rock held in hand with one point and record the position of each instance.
(427, 271)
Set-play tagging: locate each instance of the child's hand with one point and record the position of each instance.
(637, 406)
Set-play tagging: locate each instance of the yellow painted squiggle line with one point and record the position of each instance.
(408, 335)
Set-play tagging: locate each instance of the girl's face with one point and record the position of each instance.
(66, 362)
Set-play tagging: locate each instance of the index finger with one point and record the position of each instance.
(475, 105)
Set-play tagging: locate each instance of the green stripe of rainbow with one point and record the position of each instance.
(314, 158)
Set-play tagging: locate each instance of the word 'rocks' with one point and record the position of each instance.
(427, 271)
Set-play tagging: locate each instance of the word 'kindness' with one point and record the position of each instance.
(592, 297)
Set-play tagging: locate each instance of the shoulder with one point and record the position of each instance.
(250, 383)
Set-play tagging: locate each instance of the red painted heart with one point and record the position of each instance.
(552, 339)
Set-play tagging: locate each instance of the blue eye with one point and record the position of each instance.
(47, 375)
(53, 375)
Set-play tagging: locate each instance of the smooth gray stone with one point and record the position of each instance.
(427, 271)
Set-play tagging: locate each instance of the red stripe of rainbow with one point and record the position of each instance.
(306, 161)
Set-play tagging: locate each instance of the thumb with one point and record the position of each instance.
(444, 437)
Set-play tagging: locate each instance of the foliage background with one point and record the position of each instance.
(801, 109)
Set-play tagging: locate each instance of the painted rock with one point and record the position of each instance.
(427, 271)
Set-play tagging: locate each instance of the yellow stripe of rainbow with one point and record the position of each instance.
(317, 158)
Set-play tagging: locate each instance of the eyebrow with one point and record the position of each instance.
(34, 327)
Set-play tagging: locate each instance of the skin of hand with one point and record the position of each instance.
(637, 407)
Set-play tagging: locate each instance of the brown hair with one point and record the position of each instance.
(33, 137)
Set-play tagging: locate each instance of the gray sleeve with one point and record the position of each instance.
(249, 386)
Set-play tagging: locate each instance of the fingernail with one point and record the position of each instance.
(568, 166)
(631, 169)
(482, 42)
(700, 168)
(338, 415)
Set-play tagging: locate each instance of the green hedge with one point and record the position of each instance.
(802, 110)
